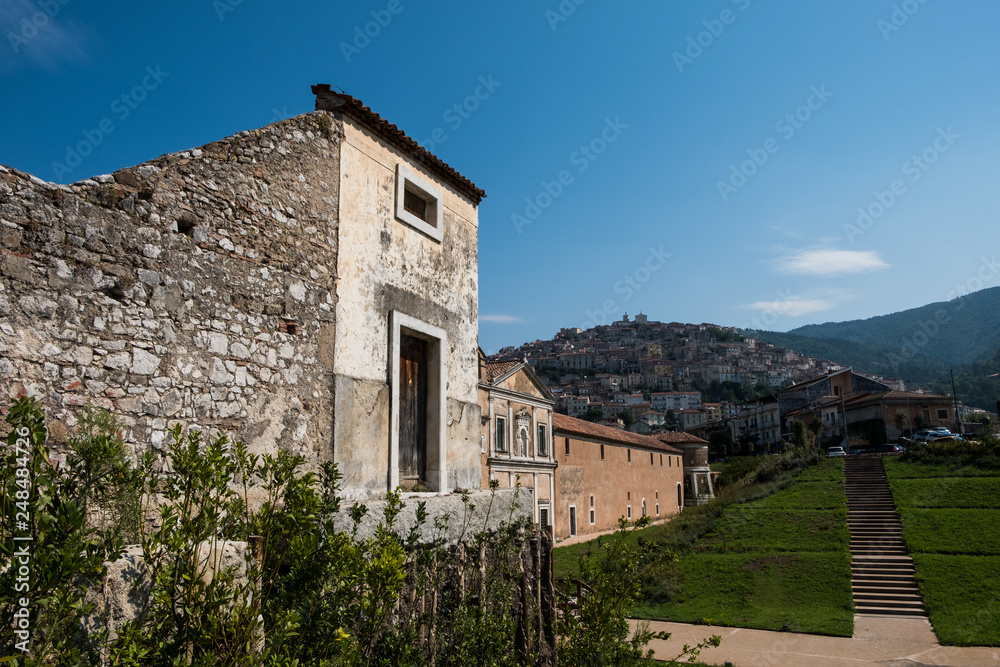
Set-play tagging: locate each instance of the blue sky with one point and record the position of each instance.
(740, 162)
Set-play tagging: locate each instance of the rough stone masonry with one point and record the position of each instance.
(190, 290)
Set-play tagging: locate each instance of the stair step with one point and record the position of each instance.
(888, 611)
(894, 589)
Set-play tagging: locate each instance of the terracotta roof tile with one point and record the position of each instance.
(495, 369)
(679, 438)
(327, 100)
(587, 429)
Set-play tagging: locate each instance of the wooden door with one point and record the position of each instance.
(413, 372)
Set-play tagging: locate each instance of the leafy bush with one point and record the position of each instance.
(311, 592)
(593, 627)
(984, 453)
(50, 555)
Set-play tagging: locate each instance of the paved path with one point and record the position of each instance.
(878, 640)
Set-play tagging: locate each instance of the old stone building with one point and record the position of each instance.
(699, 480)
(311, 286)
(516, 442)
(607, 473)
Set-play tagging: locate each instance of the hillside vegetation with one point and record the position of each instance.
(960, 331)
(921, 345)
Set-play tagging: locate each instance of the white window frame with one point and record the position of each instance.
(401, 324)
(498, 447)
(407, 179)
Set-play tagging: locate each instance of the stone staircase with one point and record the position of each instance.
(881, 570)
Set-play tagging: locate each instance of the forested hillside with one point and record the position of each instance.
(960, 331)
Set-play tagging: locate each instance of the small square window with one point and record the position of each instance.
(418, 203)
(942, 414)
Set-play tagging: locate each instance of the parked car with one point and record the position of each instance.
(835, 451)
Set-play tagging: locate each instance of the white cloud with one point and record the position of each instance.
(831, 262)
(45, 40)
(499, 319)
(793, 306)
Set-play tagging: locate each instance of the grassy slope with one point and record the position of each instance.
(774, 561)
(951, 525)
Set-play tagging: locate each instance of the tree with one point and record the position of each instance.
(627, 418)
(900, 420)
(594, 415)
(800, 435)
(816, 428)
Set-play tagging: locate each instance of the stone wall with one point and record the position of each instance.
(195, 289)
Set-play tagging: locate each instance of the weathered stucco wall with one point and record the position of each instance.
(195, 289)
(622, 478)
(388, 266)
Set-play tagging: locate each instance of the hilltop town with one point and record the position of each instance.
(651, 368)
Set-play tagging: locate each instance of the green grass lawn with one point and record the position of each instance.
(804, 495)
(830, 470)
(951, 525)
(747, 530)
(962, 597)
(776, 560)
(808, 591)
(958, 492)
(896, 469)
(952, 531)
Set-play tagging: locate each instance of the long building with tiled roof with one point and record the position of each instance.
(605, 473)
